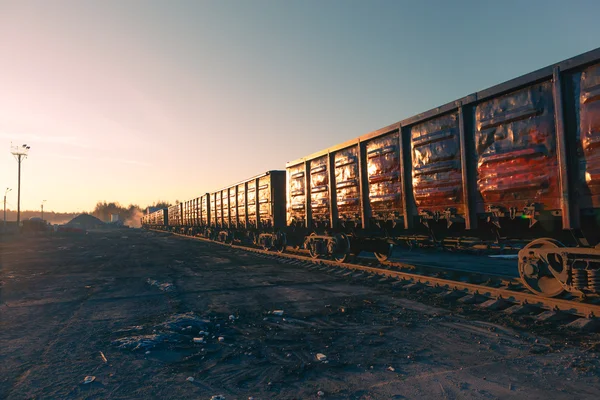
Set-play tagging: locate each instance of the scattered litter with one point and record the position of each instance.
(221, 339)
(190, 379)
(278, 312)
(103, 357)
(148, 352)
(89, 379)
(133, 328)
(165, 287)
(320, 393)
(390, 368)
(187, 320)
(217, 397)
(139, 342)
(321, 357)
(232, 317)
(198, 340)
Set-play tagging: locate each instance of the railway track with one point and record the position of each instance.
(487, 291)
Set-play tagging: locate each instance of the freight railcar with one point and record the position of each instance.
(514, 166)
(252, 210)
(156, 220)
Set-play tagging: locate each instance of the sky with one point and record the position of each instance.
(140, 101)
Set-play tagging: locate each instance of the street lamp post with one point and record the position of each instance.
(20, 153)
(43, 201)
(5, 193)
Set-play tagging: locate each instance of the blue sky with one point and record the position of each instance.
(136, 101)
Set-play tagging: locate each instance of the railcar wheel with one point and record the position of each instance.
(281, 242)
(311, 249)
(535, 274)
(343, 255)
(384, 255)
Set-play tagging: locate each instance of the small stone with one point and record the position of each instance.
(390, 368)
(321, 357)
(89, 379)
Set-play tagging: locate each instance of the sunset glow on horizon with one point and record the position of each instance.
(140, 101)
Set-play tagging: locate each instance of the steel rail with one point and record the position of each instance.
(574, 307)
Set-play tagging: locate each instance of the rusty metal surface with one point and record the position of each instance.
(589, 121)
(384, 178)
(233, 215)
(252, 202)
(319, 189)
(436, 167)
(347, 183)
(241, 202)
(264, 197)
(174, 215)
(204, 210)
(225, 206)
(213, 210)
(296, 193)
(516, 149)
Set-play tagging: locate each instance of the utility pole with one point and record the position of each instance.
(7, 190)
(43, 201)
(20, 153)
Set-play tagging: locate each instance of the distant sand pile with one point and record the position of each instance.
(85, 221)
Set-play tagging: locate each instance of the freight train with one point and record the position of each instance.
(513, 167)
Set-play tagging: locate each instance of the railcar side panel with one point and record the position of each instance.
(436, 165)
(347, 184)
(204, 220)
(251, 193)
(219, 208)
(241, 204)
(296, 194)
(516, 148)
(589, 140)
(225, 202)
(319, 189)
(213, 210)
(384, 177)
(233, 216)
(264, 200)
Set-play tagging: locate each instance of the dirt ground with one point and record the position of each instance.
(156, 316)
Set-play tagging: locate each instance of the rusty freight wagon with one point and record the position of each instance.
(156, 220)
(516, 166)
(252, 210)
